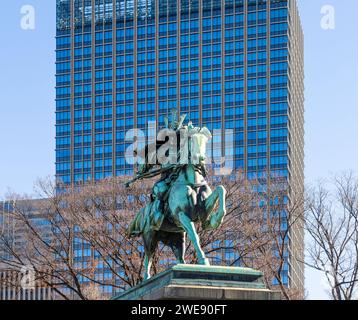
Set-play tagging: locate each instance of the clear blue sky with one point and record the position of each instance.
(27, 96)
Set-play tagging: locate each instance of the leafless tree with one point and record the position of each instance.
(74, 233)
(332, 225)
(261, 217)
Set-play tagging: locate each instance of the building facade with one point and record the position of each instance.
(18, 282)
(228, 64)
(11, 287)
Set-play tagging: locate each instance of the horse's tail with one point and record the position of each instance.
(135, 228)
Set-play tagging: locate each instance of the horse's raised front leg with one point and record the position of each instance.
(215, 219)
(189, 228)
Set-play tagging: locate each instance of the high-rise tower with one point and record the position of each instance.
(228, 64)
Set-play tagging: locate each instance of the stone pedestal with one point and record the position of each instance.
(197, 282)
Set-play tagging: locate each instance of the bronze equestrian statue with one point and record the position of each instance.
(180, 198)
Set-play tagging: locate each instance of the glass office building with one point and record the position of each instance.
(12, 239)
(228, 64)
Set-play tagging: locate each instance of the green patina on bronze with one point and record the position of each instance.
(199, 277)
(181, 197)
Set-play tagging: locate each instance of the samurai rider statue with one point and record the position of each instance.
(180, 197)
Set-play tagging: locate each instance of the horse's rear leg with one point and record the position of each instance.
(150, 245)
(147, 266)
(215, 219)
(178, 246)
(189, 228)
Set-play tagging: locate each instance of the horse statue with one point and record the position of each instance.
(187, 199)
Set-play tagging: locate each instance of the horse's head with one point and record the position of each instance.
(199, 140)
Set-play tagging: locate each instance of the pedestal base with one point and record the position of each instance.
(197, 282)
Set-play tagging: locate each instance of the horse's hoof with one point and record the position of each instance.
(204, 261)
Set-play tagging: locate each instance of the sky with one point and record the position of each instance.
(27, 96)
